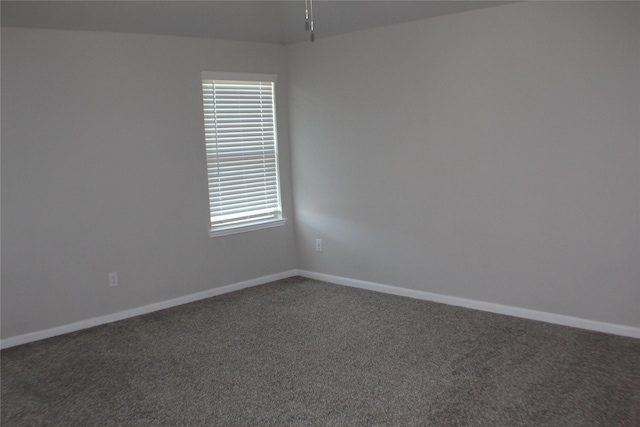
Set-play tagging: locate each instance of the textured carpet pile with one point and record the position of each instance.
(303, 352)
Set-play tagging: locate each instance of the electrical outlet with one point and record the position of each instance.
(113, 279)
(318, 245)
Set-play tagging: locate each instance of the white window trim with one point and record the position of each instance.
(260, 224)
(246, 77)
(235, 229)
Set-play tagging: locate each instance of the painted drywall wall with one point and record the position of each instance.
(492, 155)
(104, 169)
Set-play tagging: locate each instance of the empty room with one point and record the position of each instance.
(345, 213)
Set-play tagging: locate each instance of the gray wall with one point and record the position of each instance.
(492, 155)
(103, 169)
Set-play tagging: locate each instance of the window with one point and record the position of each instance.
(242, 152)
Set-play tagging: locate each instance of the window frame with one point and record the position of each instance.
(246, 225)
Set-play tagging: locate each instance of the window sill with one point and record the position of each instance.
(235, 229)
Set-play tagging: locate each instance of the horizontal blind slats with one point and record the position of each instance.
(231, 206)
(236, 218)
(264, 197)
(240, 137)
(240, 205)
(241, 171)
(248, 208)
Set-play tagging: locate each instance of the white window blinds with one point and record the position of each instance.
(241, 147)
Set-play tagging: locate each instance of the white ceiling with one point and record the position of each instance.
(260, 21)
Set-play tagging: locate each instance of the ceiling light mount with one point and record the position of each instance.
(308, 18)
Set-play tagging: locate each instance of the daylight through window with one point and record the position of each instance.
(242, 155)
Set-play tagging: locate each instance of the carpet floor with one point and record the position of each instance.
(302, 352)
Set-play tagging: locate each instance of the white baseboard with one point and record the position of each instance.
(559, 319)
(576, 322)
(100, 320)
